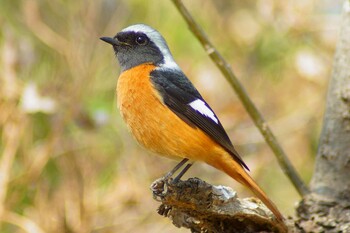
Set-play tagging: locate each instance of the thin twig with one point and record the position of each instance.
(259, 121)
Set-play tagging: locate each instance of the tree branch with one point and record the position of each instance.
(202, 207)
(259, 121)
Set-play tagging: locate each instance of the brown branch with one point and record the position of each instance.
(259, 121)
(202, 207)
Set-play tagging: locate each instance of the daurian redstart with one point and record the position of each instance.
(165, 112)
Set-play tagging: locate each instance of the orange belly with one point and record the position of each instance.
(153, 124)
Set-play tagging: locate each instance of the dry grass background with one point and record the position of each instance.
(67, 161)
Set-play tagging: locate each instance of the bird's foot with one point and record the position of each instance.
(160, 187)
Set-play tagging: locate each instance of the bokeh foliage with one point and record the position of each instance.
(68, 163)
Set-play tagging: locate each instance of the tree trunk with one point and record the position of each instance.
(327, 208)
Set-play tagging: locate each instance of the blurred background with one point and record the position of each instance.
(67, 162)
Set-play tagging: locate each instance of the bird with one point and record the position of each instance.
(165, 112)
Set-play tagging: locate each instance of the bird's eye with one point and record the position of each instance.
(141, 40)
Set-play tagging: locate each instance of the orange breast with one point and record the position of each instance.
(153, 124)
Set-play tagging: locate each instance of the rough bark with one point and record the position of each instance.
(327, 208)
(202, 207)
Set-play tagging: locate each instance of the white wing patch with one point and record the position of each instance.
(202, 108)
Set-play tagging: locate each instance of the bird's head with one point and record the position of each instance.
(140, 44)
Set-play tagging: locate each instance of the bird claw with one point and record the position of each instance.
(160, 187)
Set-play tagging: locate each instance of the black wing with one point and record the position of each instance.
(178, 93)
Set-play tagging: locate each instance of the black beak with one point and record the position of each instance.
(109, 40)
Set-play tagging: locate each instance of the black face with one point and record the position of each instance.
(135, 48)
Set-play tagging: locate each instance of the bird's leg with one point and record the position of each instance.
(178, 177)
(177, 167)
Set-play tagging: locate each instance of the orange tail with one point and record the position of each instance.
(237, 172)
